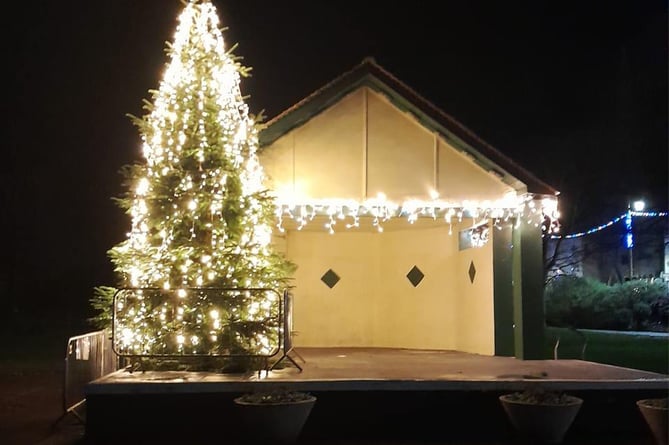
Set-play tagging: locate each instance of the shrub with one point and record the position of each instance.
(585, 303)
(638, 297)
(572, 301)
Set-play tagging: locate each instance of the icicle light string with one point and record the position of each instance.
(381, 210)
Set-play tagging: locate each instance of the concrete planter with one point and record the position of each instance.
(273, 422)
(656, 416)
(541, 422)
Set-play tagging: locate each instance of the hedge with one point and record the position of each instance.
(585, 303)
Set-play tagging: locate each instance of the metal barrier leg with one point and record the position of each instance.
(299, 356)
(284, 356)
(73, 411)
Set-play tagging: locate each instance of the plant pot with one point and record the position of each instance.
(280, 422)
(545, 423)
(656, 418)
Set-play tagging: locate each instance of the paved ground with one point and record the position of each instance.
(30, 400)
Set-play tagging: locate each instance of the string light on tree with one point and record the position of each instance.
(201, 215)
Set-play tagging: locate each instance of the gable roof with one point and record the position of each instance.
(368, 73)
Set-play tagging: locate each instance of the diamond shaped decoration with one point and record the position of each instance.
(472, 272)
(330, 278)
(415, 276)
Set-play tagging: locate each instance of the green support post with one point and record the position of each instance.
(528, 292)
(502, 263)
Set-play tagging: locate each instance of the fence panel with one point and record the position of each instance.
(88, 357)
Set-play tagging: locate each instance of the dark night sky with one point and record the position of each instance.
(575, 91)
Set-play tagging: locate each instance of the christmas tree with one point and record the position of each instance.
(201, 215)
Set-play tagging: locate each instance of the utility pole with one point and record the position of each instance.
(629, 239)
(629, 236)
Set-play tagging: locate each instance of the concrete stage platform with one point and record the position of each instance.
(377, 393)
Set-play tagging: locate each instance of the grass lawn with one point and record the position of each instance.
(621, 349)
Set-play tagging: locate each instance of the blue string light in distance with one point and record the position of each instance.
(610, 223)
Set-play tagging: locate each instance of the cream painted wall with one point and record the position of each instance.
(460, 178)
(278, 164)
(374, 304)
(358, 147)
(475, 301)
(322, 158)
(364, 145)
(401, 153)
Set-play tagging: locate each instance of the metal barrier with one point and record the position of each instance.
(288, 333)
(88, 357)
(93, 355)
(158, 323)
